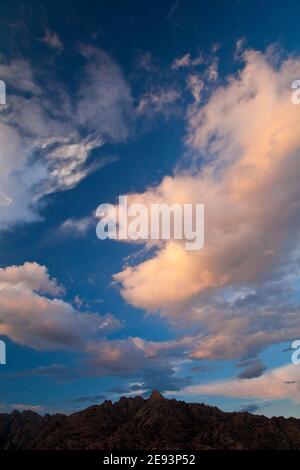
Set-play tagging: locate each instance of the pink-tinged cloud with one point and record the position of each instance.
(248, 135)
(277, 384)
(31, 319)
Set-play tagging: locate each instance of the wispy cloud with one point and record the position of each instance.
(76, 227)
(195, 85)
(187, 61)
(84, 399)
(58, 372)
(277, 384)
(48, 137)
(52, 39)
(160, 100)
(172, 10)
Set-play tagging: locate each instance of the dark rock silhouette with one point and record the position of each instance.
(153, 424)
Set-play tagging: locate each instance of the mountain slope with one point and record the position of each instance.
(153, 424)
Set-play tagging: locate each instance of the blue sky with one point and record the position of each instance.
(189, 98)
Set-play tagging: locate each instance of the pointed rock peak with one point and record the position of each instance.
(156, 395)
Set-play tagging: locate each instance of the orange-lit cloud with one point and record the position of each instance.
(277, 384)
(30, 318)
(246, 143)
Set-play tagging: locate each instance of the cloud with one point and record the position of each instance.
(153, 364)
(252, 408)
(26, 407)
(164, 380)
(158, 101)
(144, 61)
(254, 369)
(31, 319)
(84, 399)
(212, 70)
(32, 315)
(58, 372)
(204, 368)
(76, 227)
(40, 409)
(48, 136)
(172, 10)
(187, 61)
(20, 407)
(208, 63)
(277, 384)
(120, 356)
(245, 146)
(195, 85)
(30, 276)
(105, 103)
(119, 390)
(52, 39)
(242, 329)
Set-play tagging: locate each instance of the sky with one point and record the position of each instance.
(171, 101)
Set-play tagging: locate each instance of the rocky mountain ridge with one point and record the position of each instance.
(155, 423)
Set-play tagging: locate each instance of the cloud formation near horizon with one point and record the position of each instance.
(277, 384)
(33, 315)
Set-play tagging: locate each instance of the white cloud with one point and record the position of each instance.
(76, 227)
(209, 63)
(195, 85)
(47, 137)
(158, 101)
